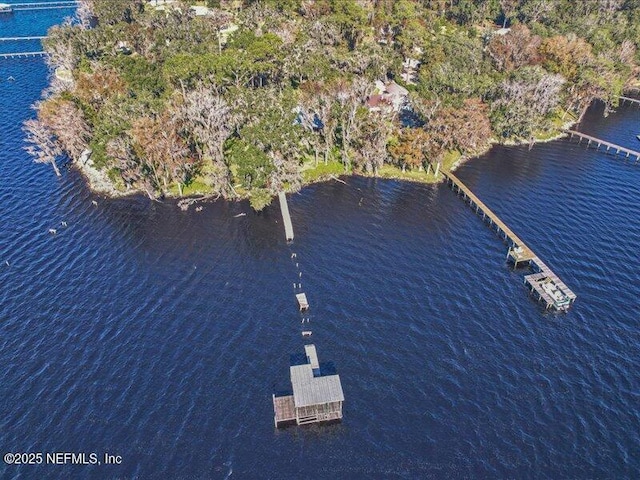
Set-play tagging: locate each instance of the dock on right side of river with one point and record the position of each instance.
(544, 285)
(611, 147)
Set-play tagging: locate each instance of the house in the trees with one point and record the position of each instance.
(387, 97)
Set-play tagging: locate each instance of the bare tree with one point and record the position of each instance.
(515, 49)
(508, 10)
(371, 143)
(68, 124)
(260, 15)
(351, 98)
(626, 52)
(44, 147)
(286, 173)
(208, 119)
(524, 102)
(132, 170)
(60, 49)
(84, 13)
(537, 10)
(318, 102)
(219, 19)
(609, 7)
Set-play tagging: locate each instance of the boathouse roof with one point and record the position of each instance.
(312, 388)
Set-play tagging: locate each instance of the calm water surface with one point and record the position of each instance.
(159, 335)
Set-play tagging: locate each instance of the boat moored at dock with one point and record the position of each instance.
(544, 285)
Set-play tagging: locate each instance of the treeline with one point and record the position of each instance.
(245, 99)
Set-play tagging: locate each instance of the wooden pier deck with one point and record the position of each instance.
(284, 409)
(543, 283)
(610, 146)
(286, 217)
(519, 252)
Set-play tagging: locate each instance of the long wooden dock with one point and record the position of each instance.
(41, 5)
(519, 252)
(18, 39)
(630, 100)
(23, 54)
(543, 283)
(611, 147)
(286, 218)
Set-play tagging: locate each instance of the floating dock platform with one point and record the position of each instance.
(316, 395)
(286, 218)
(543, 284)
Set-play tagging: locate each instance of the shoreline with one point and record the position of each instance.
(514, 143)
(99, 182)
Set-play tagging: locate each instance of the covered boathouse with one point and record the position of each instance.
(316, 394)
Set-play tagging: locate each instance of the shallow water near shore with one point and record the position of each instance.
(159, 335)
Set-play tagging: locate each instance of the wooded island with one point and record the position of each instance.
(248, 98)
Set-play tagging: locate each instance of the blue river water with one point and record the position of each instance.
(159, 335)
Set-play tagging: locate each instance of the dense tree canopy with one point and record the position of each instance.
(244, 99)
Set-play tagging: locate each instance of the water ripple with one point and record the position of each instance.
(159, 335)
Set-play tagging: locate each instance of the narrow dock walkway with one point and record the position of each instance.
(42, 5)
(544, 285)
(17, 39)
(519, 252)
(630, 100)
(22, 54)
(286, 218)
(610, 146)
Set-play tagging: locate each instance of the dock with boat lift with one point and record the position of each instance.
(611, 147)
(543, 284)
(546, 287)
